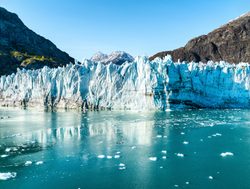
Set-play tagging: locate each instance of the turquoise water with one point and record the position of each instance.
(178, 149)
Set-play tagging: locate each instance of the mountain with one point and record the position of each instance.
(229, 43)
(116, 57)
(21, 47)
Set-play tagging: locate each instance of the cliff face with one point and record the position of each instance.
(137, 85)
(230, 43)
(21, 47)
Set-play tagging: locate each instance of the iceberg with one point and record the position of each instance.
(138, 85)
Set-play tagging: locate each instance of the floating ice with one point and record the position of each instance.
(224, 154)
(164, 151)
(6, 176)
(216, 134)
(122, 168)
(117, 156)
(210, 177)
(39, 162)
(185, 142)
(121, 165)
(101, 156)
(4, 156)
(159, 136)
(141, 84)
(7, 149)
(187, 182)
(27, 163)
(182, 133)
(180, 155)
(152, 158)
(109, 157)
(164, 157)
(133, 147)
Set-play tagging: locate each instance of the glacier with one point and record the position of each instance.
(138, 85)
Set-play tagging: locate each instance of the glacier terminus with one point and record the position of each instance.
(138, 85)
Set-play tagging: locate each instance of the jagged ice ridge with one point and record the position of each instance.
(139, 85)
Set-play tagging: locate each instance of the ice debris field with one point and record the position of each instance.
(137, 85)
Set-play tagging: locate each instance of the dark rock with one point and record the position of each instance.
(230, 43)
(21, 47)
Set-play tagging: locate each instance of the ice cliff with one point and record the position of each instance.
(141, 84)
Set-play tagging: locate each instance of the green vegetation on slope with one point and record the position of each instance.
(27, 59)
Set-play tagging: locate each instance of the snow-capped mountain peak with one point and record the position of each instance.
(99, 56)
(116, 57)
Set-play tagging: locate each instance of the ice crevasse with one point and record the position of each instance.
(138, 85)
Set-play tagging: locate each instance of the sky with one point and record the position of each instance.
(139, 27)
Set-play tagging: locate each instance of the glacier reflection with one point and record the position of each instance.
(109, 128)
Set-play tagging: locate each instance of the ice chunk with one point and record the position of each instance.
(180, 155)
(117, 156)
(152, 158)
(122, 166)
(101, 156)
(216, 134)
(27, 163)
(224, 154)
(39, 162)
(109, 157)
(7, 149)
(185, 142)
(164, 151)
(211, 177)
(4, 156)
(8, 175)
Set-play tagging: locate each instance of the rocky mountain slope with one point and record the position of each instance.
(21, 47)
(230, 43)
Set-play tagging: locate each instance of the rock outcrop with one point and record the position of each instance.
(21, 47)
(230, 43)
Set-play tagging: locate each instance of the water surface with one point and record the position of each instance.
(107, 149)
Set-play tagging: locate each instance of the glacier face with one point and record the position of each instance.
(140, 85)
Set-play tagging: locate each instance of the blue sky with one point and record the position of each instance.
(140, 27)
